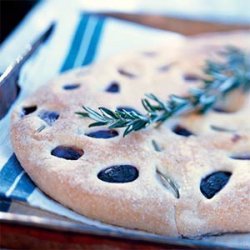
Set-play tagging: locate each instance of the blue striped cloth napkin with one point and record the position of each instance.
(78, 40)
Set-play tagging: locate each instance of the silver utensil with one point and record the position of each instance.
(9, 88)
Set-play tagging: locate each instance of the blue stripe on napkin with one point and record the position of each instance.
(23, 189)
(91, 52)
(14, 182)
(10, 171)
(87, 37)
(76, 43)
(5, 204)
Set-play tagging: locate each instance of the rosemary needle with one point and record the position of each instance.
(220, 79)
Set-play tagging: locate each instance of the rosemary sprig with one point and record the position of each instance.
(221, 78)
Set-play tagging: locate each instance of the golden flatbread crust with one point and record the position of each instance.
(145, 203)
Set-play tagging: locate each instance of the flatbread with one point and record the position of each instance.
(165, 171)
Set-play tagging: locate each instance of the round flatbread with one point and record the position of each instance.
(188, 177)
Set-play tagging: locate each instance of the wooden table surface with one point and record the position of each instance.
(24, 237)
(49, 231)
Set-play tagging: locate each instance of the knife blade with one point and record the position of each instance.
(9, 88)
